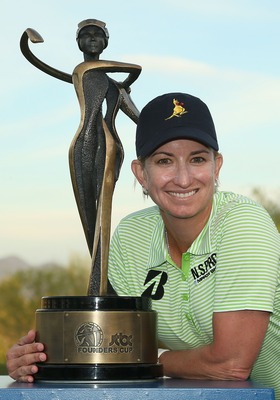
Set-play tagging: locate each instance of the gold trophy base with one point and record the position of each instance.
(91, 338)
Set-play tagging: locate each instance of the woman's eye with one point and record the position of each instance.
(197, 160)
(164, 161)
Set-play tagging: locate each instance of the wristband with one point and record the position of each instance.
(161, 351)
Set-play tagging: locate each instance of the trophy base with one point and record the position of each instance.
(97, 339)
(98, 372)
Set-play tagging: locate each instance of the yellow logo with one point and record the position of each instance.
(178, 109)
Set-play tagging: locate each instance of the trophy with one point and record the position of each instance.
(99, 336)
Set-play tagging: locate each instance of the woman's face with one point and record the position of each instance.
(180, 178)
(91, 40)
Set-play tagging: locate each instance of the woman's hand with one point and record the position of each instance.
(21, 358)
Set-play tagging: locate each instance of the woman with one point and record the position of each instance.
(208, 259)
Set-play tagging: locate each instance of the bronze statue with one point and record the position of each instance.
(96, 153)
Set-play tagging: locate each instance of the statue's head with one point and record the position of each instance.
(87, 23)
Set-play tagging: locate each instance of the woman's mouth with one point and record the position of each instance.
(183, 195)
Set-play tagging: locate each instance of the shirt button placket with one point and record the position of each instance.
(185, 295)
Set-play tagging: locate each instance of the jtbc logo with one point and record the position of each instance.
(119, 339)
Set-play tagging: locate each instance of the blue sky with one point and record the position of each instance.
(225, 52)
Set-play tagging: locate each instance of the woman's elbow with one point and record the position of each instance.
(237, 372)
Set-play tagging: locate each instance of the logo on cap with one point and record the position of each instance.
(178, 109)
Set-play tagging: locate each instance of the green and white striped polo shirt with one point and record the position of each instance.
(232, 265)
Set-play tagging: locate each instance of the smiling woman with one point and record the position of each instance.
(178, 174)
(209, 260)
(180, 178)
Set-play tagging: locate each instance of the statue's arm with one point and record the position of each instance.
(35, 37)
(127, 105)
(133, 70)
(132, 76)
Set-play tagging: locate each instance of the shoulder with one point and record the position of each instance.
(238, 213)
(141, 216)
(140, 222)
(135, 232)
(85, 66)
(228, 203)
(232, 199)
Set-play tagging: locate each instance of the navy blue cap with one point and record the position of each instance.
(174, 116)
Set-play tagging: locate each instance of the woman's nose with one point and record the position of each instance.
(183, 176)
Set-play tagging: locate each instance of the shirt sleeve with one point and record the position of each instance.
(117, 266)
(247, 273)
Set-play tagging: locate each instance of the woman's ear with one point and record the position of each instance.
(218, 164)
(137, 168)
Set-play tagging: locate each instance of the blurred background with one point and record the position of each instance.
(225, 51)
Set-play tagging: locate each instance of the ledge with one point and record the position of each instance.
(167, 389)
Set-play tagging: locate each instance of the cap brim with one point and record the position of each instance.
(180, 133)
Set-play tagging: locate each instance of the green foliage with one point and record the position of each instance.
(3, 369)
(20, 296)
(271, 206)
